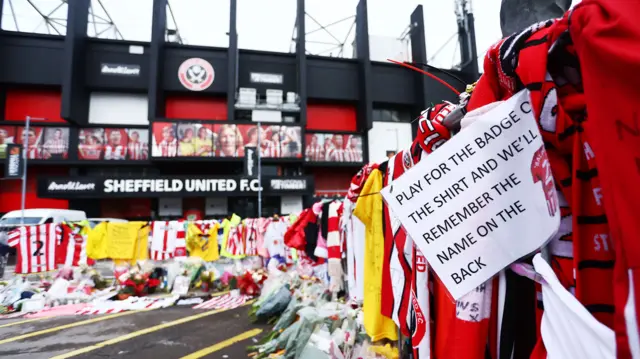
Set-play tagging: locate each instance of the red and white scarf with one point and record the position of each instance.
(334, 248)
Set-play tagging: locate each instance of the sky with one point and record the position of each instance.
(268, 24)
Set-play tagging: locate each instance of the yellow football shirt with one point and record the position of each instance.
(203, 245)
(369, 211)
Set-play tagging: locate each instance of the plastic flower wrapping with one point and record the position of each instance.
(308, 324)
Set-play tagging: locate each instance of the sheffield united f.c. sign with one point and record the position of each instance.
(196, 74)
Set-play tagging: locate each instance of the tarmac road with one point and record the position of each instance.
(175, 332)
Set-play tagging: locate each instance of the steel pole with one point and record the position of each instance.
(25, 157)
(259, 170)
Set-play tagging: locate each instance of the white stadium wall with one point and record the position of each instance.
(388, 136)
(106, 108)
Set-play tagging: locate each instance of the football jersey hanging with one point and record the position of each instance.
(163, 241)
(202, 240)
(36, 247)
(72, 248)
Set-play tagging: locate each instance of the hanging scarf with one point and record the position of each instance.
(582, 149)
(606, 35)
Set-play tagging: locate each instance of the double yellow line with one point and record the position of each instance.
(120, 339)
(21, 322)
(138, 333)
(223, 344)
(61, 327)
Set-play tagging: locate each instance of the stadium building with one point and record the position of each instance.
(161, 129)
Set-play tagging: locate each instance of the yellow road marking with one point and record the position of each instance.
(22, 322)
(138, 333)
(223, 344)
(66, 326)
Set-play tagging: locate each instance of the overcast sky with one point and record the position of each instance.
(268, 24)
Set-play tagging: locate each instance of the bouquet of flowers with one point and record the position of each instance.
(99, 283)
(137, 283)
(247, 284)
(259, 276)
(205, 281)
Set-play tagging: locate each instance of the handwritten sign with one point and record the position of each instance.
(481, 201)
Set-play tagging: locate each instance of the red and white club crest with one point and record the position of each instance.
(421, 263)
(196, 74)
(407, 161)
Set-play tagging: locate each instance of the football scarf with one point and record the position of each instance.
(431, 135)
(607, 32)
(396, 283)
(583, 149)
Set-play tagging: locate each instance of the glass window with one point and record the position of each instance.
(18, 220)
(388, 115)
(247, 207)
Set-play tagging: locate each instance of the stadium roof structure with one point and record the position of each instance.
(328, 39)
(324, 36)
(50, 17)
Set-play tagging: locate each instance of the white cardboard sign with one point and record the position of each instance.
(481, 201)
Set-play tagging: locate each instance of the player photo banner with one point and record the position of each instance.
(40, 143)
(184, 139)
(7, 137)
(224, 140)
(113, 144)
(333, 147)
(275, 141)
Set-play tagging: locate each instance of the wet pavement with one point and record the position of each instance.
(174, 332)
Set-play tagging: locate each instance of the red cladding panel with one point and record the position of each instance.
(36, 103)
(195, 108)
(335, 180)
(11, 190)
(321, 117)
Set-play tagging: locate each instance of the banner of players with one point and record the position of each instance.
(188, 139)
(43, 143)
(130, 144)
(328, 147)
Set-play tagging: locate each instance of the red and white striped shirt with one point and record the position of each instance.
(35, 153)
(336, 155)
(181, 237)
(273, 150)
(168, 149)
(137, 151)
(56, 146)
(72, 248)
(251, 233)
(90, 152)
(314, 153)
(235, 243)
(114, 153)
(36, 247)
(167, 240)
(264, 148)
(352, 155)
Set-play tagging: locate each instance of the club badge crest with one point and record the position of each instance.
(196, 74)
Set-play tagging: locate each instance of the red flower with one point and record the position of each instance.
(152, 283)
(247, 285)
